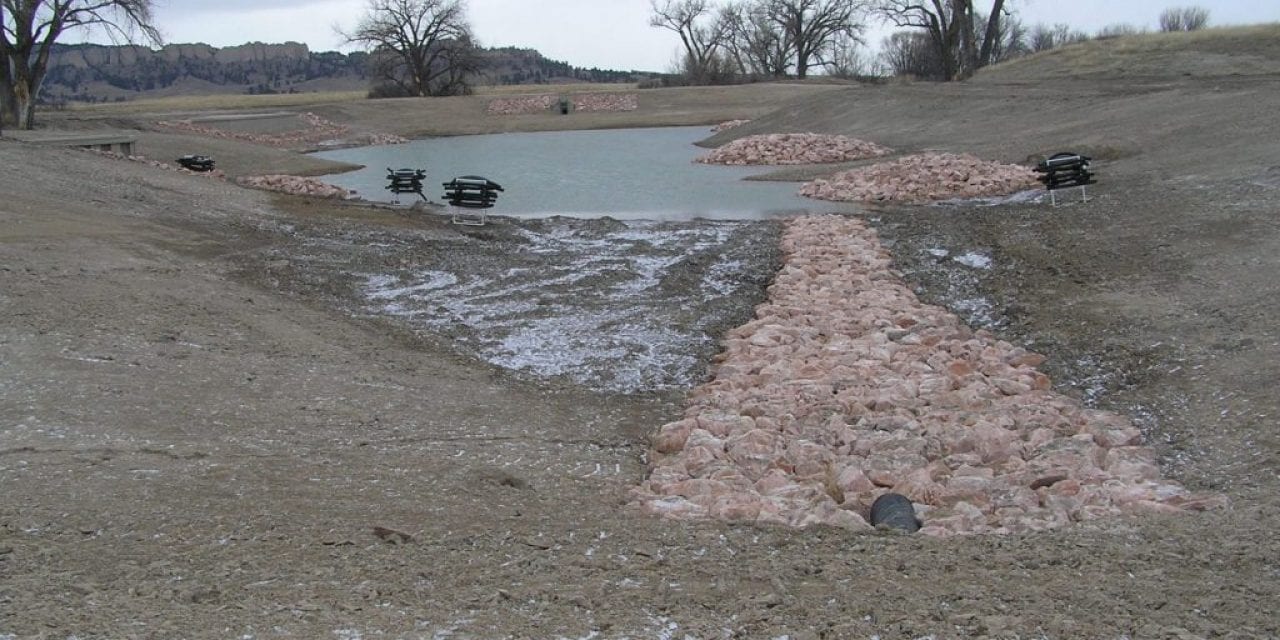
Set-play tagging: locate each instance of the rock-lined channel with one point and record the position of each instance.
(846, 387)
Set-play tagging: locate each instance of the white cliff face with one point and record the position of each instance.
(86, 56)
(846, 387)
(258, 51)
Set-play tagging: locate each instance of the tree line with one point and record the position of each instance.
(736, 40)
(426, 47)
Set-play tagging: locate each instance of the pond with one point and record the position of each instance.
(637, 174)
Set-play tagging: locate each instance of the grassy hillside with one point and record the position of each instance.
(1162, 104)
(1250, 51)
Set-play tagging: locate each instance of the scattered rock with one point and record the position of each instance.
(295, 185)
(392, 536)
(216, 174)
(725, 126)
(316, 129)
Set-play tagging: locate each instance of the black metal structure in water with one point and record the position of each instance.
(471, 192)
(196, 163)
(406, 181)
(1066, 170)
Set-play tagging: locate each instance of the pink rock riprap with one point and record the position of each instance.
(587, 102)
(846, 387)
(583, 102)
(295, 185)
(923, 178)
(520, 105)
(316, 129)
(793, 148)
(729, 124)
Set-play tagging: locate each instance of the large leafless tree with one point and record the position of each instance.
(760, 37)
(753, 40)
(422, 47)
(701, 33)
(960, 46)
(6, 85)
(29, 29)
(814, 27)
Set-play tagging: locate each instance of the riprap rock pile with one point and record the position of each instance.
(587, 102)
(846, 387)
(923, 178)
(315, 129)
(295, 185)
(520, 105)
(793, 148)
(725, 126)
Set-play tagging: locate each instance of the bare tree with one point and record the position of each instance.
(1006, 42)
(911, 53)
(1184, 19)
(29, 28)
(419, 47)
(701, 34)
(815, 26)
(1118, 30)
(6, 84)
(754, 41)
(850, 59)
(936, 18)
(952, 28)
(1043, 38)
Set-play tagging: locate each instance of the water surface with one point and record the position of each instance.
(620, 173)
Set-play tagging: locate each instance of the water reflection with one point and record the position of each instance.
(621, 173)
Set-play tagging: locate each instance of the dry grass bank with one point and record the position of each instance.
(1243, 51)
(238, 102)
(415, 117)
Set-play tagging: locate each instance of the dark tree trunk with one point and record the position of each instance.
(8, 101)
(992, 31)
(962, 21)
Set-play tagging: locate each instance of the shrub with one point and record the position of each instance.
(1118, 31)
(1184, 19)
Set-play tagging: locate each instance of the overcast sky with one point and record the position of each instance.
(602, 33)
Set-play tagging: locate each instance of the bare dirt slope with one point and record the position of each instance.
(198, 438)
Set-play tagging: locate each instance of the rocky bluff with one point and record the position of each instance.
(98, 73)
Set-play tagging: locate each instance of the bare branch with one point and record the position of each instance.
(31, 27)
(423, 47)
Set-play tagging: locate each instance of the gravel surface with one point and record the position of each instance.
(206, 432)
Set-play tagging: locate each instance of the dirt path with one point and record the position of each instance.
(189, 450)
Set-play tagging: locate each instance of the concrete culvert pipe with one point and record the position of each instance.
(895, 511)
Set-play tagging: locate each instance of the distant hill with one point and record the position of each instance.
(98, 73)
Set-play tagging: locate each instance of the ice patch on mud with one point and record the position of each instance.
(626, 307)
(974, 260)
(957, 289)
(1029, 196)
